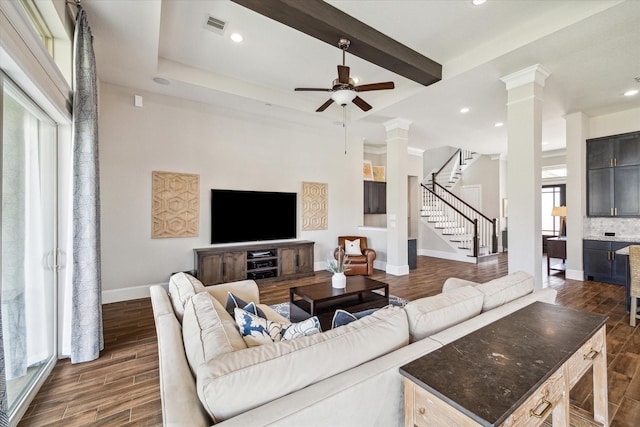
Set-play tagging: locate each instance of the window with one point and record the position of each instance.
(39, 24)
(552, 196)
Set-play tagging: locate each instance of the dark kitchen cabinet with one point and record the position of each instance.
(602, 264)
(375, 197)
(613, 176)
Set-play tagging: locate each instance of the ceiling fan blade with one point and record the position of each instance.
(374, 86)
(313, 89)
(361, 103)
(343, 74)
(324, 106)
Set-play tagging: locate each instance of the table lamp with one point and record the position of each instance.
(561, 211)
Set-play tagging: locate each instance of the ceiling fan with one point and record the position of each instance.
(344, 89)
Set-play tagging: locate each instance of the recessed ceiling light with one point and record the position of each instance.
(161, 81)
(236, 37)
(478, 2)
(499, 124)
(631, 92)
(464, 110)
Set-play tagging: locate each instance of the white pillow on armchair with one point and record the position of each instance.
(352, 247)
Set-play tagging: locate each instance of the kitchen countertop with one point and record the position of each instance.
(614, 238)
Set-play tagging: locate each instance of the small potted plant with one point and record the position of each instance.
(338, 266)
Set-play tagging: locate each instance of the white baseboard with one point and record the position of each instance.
(574, 275)
(397, 270)
(447, 255)
(126, 294)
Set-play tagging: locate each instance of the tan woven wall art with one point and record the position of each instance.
(176, 205)
(314, 206)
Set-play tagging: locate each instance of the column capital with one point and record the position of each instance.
(397, 123)
(533, 74)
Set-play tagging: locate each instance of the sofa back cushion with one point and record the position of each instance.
(235, 383)
(208, 330)
(430, 315)
(504, 289)
(247, 290)
(183, 286)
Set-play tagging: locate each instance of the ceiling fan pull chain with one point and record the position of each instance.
(344, 125)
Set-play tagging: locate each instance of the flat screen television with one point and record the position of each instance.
(247, 216)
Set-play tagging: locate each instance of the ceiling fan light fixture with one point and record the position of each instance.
(343, 96)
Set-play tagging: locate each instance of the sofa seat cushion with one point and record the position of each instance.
(504, 289)
(183, 286)
(430, 315)
(208, 330)
(236, 382)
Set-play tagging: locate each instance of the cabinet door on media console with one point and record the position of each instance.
(296, 260)
(221, 267)
(209, 268)
(235, 266)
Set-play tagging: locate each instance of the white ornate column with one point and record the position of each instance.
(577, 126)
(524, 148)
(397, 210)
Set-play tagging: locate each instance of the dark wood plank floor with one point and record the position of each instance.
(121, 387)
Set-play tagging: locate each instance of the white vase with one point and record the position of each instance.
(339, 280)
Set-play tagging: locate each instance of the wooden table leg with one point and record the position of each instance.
(600, 398)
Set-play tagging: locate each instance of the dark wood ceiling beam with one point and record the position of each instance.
(329, 24)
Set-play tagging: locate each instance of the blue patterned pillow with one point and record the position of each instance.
(305, 328)
(234, 302)
(257, 330)
(342, 317)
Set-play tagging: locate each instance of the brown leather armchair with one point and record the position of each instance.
(359, 264)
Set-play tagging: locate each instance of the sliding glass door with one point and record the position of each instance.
(28, 244)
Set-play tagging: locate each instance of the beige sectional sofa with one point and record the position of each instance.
(347, 376)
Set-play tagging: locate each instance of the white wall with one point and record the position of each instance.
(228, 150)
(485, 172)
(613, 124)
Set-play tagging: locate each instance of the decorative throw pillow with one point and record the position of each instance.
(256, 330)
(352, 247)
(342, 317)
(234, 302)
(305, 328)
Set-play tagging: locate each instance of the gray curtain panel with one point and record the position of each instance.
(4, 402)
(86, 311)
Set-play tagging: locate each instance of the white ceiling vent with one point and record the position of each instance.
(214, 24)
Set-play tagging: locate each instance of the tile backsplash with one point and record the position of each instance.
(620, 226)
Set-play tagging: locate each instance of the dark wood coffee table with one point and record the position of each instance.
(323, 300)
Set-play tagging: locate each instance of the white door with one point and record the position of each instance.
(472, 194)
(28, 150)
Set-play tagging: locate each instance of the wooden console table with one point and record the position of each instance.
(556, 248)
(513, 372)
